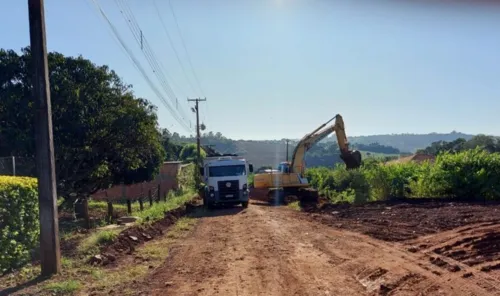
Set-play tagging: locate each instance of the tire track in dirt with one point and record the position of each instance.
(266, 250)
(471, 252)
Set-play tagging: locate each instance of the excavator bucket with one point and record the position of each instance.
(352, 159)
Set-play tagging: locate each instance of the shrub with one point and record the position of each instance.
(390, 181)
(19, 225)
(340, 184)
(187, 177)
(428, 182)
(250, 179)
(471, 174)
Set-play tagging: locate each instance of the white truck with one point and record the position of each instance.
(226, 180)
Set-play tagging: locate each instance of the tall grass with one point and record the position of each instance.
(91, 243)
(174, 200)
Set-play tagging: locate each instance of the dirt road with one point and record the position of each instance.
(267, 250)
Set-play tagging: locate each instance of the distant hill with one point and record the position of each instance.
(271, 152)
(407, 142)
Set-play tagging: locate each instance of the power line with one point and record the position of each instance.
(185, 48)
(139, 36)
(139, 67)
(148, 53)
(172, 45)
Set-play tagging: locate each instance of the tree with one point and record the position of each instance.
(189, 152)
(172, 149)
(103, 135)
(488, 143)
(377, 148)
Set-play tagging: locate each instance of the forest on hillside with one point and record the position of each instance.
(326, 153)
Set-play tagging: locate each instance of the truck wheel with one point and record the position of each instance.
(244, 204)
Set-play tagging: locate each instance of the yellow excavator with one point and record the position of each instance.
(290, 180)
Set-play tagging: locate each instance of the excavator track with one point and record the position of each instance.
(285, 196)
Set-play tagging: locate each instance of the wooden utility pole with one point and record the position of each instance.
(50, 255)
(198, 151)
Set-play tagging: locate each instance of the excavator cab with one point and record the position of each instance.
(284, 167)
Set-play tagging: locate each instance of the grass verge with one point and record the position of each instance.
(79, 278)
(157, 210)
(91, 243)
(63, 288)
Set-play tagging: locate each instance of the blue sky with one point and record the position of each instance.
(279, 68)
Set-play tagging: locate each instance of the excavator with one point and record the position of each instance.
(290, 180)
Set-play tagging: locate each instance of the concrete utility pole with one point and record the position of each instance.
(13, 165)
(198, 155)
(50, 255)
(287, 141)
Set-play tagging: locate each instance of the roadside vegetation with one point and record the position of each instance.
(472, 174)
(104, 135)
(19, 242)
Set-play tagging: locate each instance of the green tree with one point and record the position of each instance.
(487, 143)
(103, 134)
(188, 153)
(172, 149)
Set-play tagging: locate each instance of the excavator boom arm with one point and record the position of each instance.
(351, 158)
(306, 143)
(341, 135)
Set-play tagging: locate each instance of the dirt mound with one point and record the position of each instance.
(404, 220)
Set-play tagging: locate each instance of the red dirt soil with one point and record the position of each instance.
(403, 220)
(267, 250)
(135, 236)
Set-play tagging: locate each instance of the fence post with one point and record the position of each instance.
(86, 217)
(150, 198)
(110, 211)
(124, 191)
(129, 207)
(13, 165)
(159, 193)
(141, 205)
(165, 196)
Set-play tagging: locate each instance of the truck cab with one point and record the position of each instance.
(226, 180)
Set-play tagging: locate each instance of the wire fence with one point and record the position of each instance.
(17, 166)
(158, 188)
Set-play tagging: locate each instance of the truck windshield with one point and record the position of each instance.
(227, 170)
